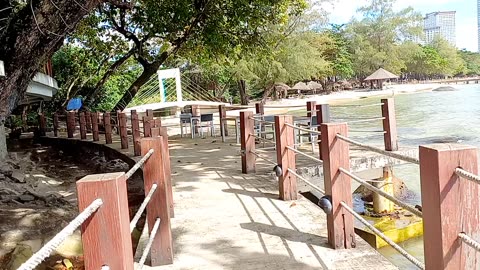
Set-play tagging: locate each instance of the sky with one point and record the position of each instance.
(341, 11)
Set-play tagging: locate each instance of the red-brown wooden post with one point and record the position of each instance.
(337, 185)
(136, 133)
(149, 114)
(70, 124)
(95, 133)
(83, 126)
(108, 128)
(157, 122)
(154, 173)
(43, 124)
(147, 127)
(122, 123)
(247, 142)
(389, 124)
(196, 113)
(55, 124)
(222, 114)
(323, 117)
(450, 205)
(259, 108)
(106, 234)
(285, 137)
(88, 118)
(311, 108)
(168, 169)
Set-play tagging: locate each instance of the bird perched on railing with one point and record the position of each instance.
(278, 170)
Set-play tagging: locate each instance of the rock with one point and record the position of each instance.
(6, 169)
(26, 198)
(18, 177)
(21, 254)
(72, 246)
(445, 89)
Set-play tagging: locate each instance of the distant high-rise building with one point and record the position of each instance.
(478, 23)
(441, 24)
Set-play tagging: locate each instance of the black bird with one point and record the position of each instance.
(326, 204)
(278, 170)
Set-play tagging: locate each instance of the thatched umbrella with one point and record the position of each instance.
(380, 75)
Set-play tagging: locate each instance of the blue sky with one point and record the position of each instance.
(466, 18)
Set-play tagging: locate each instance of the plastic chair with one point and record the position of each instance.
(185, 122)
(206, 121)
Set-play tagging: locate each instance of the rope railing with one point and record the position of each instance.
(307, 181)
(262, 139)
(402, 251)
(264, 158)
(142, 207)
(303, 129)
(153, 233)
(469, 241)
(305, 155)
(357, 106)
(468, 175)
(379, 151)
(382, 193)
(56, 241)
(139, 164)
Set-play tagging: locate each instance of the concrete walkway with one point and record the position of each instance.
(226, 220)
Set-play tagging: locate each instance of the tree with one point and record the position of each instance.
(158, 30)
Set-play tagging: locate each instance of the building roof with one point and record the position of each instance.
(381, 74)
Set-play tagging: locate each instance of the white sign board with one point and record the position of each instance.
(2, 69)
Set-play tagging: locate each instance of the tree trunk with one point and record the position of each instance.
(149, 69)
(147, 73)
(111, 70)
(242, 85)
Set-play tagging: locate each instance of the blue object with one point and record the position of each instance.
(74, 104)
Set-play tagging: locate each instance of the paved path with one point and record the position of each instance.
(226, 220)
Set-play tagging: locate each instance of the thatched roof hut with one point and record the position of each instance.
(381, 75)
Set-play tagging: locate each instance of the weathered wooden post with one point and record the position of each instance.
(88, 118)
(311, 108)
(222, 114)
(389, 124)
(108, 128)
(323, 117)
(55, 124)
(122, 126)
(95, 132)
(196, 113)
(147, 127)
(154, 173)
(110, 223)
(157, 122)
(259, 108)
(43, 124)
(450, 205)
(285, 137)
(136, 133)
(70, 124)
(83, 126)
(168, 169)
(247, 142)
(337, 185)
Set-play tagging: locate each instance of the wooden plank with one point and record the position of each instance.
(450, 205)
(108, 128)
(154, 173)
(147, 127)
(122, 126)
(88, 118)
(106, 234)
(259, 108)
(96, 135)
(335, 154)
(55, 124)
(287, 183)
(70, 124)
(136, 133)
(196, 113)
(168, 169)
(389, 125)
(323, 117)
(222, 114)
(247, 142)
(43, 124)
(157, 122)
(83, 126)
(311, 108)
